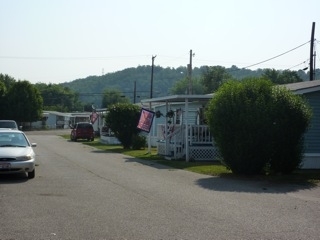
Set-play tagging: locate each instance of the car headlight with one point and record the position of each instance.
(25, 157)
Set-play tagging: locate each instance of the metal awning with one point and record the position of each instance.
(179, 98)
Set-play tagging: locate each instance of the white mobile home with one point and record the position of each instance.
(179, 131)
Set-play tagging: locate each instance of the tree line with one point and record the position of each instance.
(24, 102)
(167, 81)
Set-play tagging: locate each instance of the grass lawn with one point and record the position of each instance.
(208, 168)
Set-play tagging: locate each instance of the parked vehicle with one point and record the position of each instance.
(9, 124)
(16, 153)
(82, 130)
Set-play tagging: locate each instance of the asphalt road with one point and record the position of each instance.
(83, 193)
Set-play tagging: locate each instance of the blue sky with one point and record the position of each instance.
(63, 40)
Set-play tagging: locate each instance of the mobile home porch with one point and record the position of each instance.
(185, 139)
(172, 143)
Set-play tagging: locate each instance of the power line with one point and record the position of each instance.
(296, 65)
(277, 55)
(304, 62)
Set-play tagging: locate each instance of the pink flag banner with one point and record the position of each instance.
(93, 117)
(145, 121)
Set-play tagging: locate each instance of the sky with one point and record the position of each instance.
(45, 41)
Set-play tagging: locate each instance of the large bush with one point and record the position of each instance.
(122, 118)
(291, 117)
(249, 120)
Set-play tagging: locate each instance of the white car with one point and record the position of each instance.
(8, 124)
(16, 153)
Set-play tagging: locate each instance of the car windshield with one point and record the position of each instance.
(14, 139)
(86, 126)
(7, 125)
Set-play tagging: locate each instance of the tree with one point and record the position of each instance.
(122, 118)
(59, 98)
(271, 74)
(87, 107)
(3, 89)
(288, 76)
(281, 77)
(256, 125)
(3, 94)
(25, 102)
(7, 80)
(181, 87)
(111, 97)
(213, 77)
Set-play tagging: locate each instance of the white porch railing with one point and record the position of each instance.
(200, 135)
(200, 140)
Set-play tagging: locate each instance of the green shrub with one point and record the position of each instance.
(122, 118)
(256, 125)
(291, 118)
(139, 142)
(238, 116)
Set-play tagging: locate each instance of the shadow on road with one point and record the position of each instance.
(251, 185)
(232, 183)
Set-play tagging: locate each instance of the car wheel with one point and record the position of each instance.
(75, 139)
(31, 174)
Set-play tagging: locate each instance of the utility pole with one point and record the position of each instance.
(314, 65)
(134, 92)
(190, 74)
(151, 91)
(311, 53)
(152, 66)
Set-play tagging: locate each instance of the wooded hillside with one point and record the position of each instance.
(90, 89)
